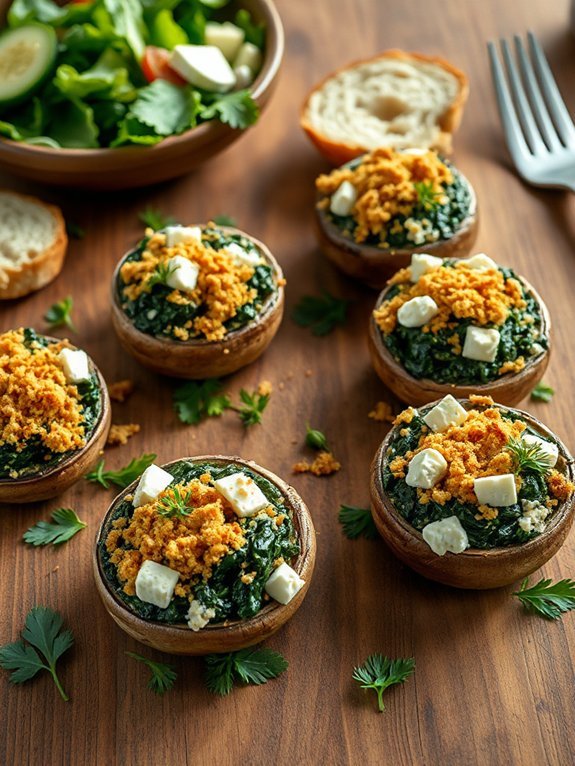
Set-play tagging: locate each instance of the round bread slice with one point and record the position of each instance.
(33, 244)
(397, 99)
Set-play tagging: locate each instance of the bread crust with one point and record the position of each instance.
(340, 152)
(37, 273)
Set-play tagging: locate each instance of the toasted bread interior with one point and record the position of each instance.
(26, 230)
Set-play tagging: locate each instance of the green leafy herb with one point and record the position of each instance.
(428, 197)
(175, 505)
(124, 476)
(163, 675)
(379, 672)
(253, 406)
(60, 314)
(255, 33)
(320, 313)
(315, 439)
(64, 525)
(224, 220)
(250, 666)
(161, 274)
(528, 457)
(194, 400)
(548, 599)
(155, 219)
(238, 110)
(74, 230)
(357, 522)
(542, 393)
(43, 632)
(166, 108)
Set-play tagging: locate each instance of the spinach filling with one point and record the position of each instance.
(35, 458)
(430, 355)
(223, 591)
(501, 531)
(152, 314)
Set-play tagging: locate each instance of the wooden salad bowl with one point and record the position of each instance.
(60, 477)
(228, 636)
(509, 389)
(135, 166)
(374, 265)
(475, 568)
(200, 359)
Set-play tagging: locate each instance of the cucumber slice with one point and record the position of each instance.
(27, 55)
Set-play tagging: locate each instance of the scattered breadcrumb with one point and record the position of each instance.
(382, 412)
(308, 373)
(324, 465)
(121, 390)
(119, 434)
(265, 388)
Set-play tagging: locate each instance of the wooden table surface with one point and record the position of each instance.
(492, 685)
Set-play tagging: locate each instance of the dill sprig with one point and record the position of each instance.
(528, 457)
(175, 504)
(428, 197)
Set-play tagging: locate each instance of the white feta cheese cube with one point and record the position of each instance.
(155, 583)
(283, 584)
(426, 469)
(446, 535)
(534, 515)
(242, 493)
(182, 235)
(245, 257)
(416, 151)
(183, 273)
(199, 615)
(153, 481)
(549, 449)
(204, 66)
(536, 349)
(445, 414)
(481, 262)
(481, 344)
(75, 365)
(423, 262)
(496, 491)
(249, 55)
(417, 311)
(244, 76)
(343, 199)
(227, 37)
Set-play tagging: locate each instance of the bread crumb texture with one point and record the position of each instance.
(382, 412)
(119, 434)
(121, 390)
(265, 388)
(35, 398)
(324, 465)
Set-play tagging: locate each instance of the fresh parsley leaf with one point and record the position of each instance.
(74, 230)
(315, 439)
(357, 522)
(60, 314)
(542, 393)
(154, 219)
(238, 109)
(167, 109)
(124, 476)
(250, 666)
(196, 400)
(255, 33)
(224, 220)
(253, 406)
(546, 598)
(528, 457)
(47, 642)
(321, 313)
(379, 672)
(163, 675)
(64, 525)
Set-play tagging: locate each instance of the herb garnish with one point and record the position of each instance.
(546, 598)
(378, 673)
(195, 400)
(175, 504)
(542, 393)
(253, 406)
(250, 666)
(315, 439)
(428, 197)
(43, 632)
(528, 457)
(155, 219)
(357, 522)
(320, 313)
(64, 525)
(124, 476)
(60, 314)
(237, 109)
(163, 675)
(161, 274)
(224, 220)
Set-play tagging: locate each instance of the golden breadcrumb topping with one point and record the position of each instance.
(119, 434)
(324, 465)
(265, 388)
(121, 390)
(382, 412)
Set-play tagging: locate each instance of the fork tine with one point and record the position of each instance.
(561, 116)
(535, 97)
(522, 105)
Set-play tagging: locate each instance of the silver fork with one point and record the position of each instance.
(538, 128)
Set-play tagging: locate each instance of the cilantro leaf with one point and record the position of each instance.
(224, 220)
(163, 675)
(196, 400)
(542, 393)
(320, 313)
(154, 219)
(250, 666)
(60, 314)
(548, 599)
(64, 525)
(238, 109)
(378, 673)
(124, 476)
(167, 109)
(253, 406)
(255, 33)
(357, 522)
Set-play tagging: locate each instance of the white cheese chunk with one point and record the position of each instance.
(417, 311)
(244, 76)
(155, 584)
(242, 493)
(182, 235)
(199, 615)
(446, 535)
(496, 491)
(204, 66)
(227, 37)
(445, 414)
(153, 481)
(183, 273)
(481, 344)
(283, 584)
(75, 365)
(343, 199)
(534, 515)
(244, 257)
(249, 55)
(426, 469)
(549, 449)
(422, 263)
(481, 262)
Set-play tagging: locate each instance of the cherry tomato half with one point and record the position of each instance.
(155, 66)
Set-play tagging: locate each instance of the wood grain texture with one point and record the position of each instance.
(492, 685)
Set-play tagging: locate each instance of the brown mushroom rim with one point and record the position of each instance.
(301, 563)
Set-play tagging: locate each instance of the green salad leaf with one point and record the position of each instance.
(122, 477)
(255, 33)
(60, 314)
(73, 126)
(165, 108)
(127, 21)
(64, 525)
(542, 393)
(165, 32)
(196, 400)
(238, 110)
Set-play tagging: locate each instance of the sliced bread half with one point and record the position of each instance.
(33, 244)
